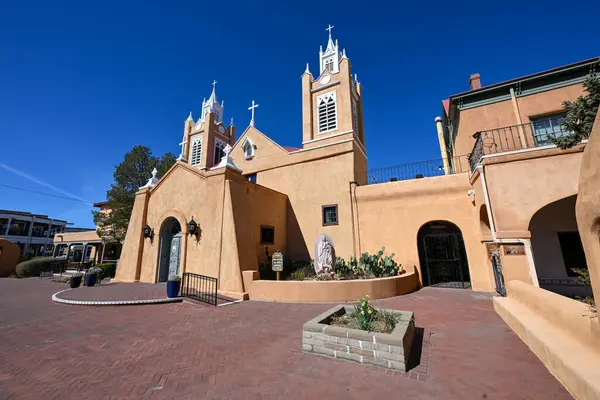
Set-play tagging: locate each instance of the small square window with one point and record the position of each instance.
(330, 215)
(267, 235)
(251, 178)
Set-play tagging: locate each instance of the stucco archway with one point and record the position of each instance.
(557, 248)
(442, 255)
(169, 250)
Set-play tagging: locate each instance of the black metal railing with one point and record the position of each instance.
(415, 170)
(199, 287)
(517, 137)
(498, 275)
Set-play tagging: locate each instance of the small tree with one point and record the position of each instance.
(132, 173)
(580, 114)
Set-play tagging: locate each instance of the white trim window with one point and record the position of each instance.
(219, 150)
(196, 151)
(329, 64)
(327, 112)
(248, 147)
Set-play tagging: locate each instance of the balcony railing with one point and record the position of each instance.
(534, 134)
(416, 170)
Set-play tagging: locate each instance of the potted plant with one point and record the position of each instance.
(91, 276)
(75, 281)
(173, 285)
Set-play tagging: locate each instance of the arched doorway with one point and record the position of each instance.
(442, 255)
(557, 248)
(169, 250)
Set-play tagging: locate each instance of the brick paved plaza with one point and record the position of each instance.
(249, 350)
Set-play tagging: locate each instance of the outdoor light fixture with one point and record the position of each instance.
(192, 228)
(148, 232)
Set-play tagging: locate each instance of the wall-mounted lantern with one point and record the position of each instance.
(148, 232)
(193, 228)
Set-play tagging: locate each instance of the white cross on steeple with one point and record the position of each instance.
(214, 85)
(182, 144)
(251, 108)
(329, 28)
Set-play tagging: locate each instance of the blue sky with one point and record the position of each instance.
(81, 84)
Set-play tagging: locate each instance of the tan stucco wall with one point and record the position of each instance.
(520, 184)
(549, 102)
(502, 114)
(10, 255)
(555, 217)
(329, 291)
(560, 331)
(229, 212)
(515, 267)
(86, 236)
(310, 179)
(477, 119)
(391, 214)
(131, 253)
(588, 206)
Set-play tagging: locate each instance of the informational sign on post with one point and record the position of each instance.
(277, 262)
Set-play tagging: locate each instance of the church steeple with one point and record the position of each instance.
(213, 106)
(330, 59)
(332, 102)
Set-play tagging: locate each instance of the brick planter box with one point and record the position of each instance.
(389, 350)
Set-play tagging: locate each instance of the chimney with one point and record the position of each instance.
(475, 81)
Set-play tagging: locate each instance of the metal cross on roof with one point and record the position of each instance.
(251, 108)
(329, 28)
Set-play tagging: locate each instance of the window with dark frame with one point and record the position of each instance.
(267, 235)
(330, 215)
(572, 252)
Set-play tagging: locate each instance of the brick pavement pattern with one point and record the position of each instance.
(117, 291)
(249, 350)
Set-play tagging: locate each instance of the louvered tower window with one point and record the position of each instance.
(327, 112)
(219, 150)
(196, 151)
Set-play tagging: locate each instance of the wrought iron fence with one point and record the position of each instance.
(199, 287)
(416, 170)
(517, 137)
(498, 275)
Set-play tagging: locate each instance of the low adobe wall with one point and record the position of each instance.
(10, 255)
(562, 332)
(328, 291)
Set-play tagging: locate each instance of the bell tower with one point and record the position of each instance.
(204, 142)
(331, 103)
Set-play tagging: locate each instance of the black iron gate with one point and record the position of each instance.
(445, 261)
(498, 276)
(199, 287)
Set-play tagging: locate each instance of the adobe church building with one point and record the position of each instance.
(501, 199)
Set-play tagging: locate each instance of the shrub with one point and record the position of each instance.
(36, 265)
(364, 314)
(108, 270)
(584, 277)
(298, 275)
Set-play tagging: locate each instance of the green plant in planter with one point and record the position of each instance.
(364, 314)
(95, 271)
(378, 265)
(298, 275)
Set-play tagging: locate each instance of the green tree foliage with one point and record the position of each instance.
(580, 114)
(132, 173)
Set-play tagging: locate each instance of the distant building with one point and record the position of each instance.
(84, 245)
(33, 233)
